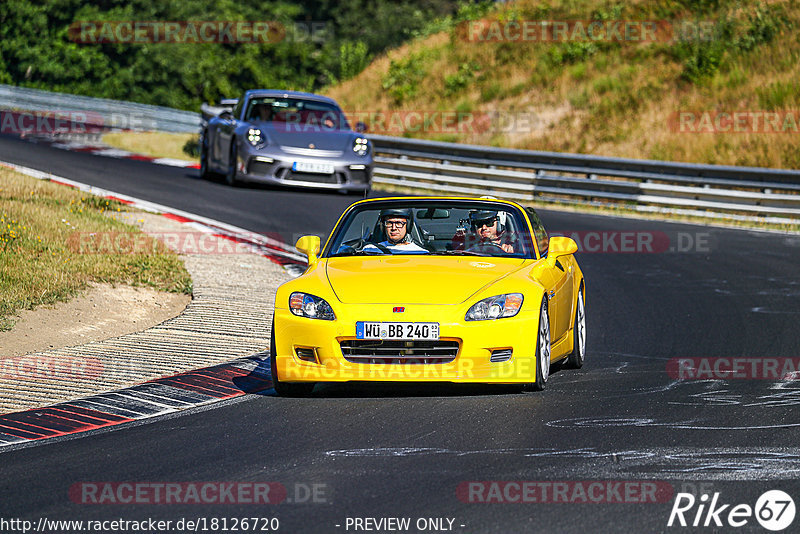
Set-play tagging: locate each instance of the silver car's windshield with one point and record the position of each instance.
(441, 228)
(296, 113)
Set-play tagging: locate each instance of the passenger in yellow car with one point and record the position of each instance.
(395, 225)
(490, 230)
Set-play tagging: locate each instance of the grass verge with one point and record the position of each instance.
(156, 144)
(40, 224)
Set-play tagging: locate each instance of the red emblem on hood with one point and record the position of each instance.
(398, 309)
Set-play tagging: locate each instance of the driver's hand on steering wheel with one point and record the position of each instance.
(507, 248)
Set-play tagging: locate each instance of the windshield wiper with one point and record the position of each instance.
(464, 253)
(358, 253)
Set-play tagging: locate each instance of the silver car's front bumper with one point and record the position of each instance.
(277, 169)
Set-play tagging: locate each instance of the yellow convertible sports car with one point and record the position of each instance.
(430, 289)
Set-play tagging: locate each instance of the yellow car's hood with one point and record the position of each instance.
(414, 279)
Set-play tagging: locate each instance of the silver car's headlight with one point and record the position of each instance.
(305, 305)
(361, 146)
(496, 307)
(255, 137)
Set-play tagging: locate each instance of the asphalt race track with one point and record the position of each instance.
(373, 452)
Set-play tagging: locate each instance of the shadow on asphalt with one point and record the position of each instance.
(357, 389)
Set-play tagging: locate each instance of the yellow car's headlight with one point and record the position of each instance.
(305, 305)
(496, 307)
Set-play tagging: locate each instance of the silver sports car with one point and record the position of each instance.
(286, 137)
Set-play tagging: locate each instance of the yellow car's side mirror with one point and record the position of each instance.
(309, 245)
(560, 246)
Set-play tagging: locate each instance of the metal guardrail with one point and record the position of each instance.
(704, 190)
(101, 112)
(644, 185)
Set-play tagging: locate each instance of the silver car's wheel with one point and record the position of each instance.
(542, 350)
(230, 176)
(205, 172)
(576, 358)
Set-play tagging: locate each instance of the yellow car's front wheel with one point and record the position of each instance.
(542, 350)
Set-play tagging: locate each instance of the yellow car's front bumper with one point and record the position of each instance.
(477, 340)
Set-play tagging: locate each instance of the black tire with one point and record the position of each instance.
(285, 389)
(363, 193)
(205, 171)
(230, 175)
(576, 358)
(542, 350)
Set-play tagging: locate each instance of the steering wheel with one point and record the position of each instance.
(382, 248)
(488, 247)
(361, 243)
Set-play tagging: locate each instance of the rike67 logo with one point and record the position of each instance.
(774, 510)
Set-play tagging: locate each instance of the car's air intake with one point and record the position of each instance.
(399, 352)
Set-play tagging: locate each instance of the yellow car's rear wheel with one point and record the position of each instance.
(285, 389)
(576, 357)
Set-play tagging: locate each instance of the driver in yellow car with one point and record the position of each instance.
(488, 228)
(396, 224)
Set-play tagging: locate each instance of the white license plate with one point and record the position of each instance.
(316, 168)
(391, 330)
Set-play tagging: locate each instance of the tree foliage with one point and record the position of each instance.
(326, 41)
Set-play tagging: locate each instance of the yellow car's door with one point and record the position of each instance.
(562, 273)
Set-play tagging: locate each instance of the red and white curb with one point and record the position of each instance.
(154, 398)
(279, 252)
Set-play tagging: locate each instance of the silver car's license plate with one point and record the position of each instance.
(392, 330)
(315, 168)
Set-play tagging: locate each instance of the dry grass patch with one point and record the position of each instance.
(41, 224)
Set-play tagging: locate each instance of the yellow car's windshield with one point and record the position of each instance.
(433, 227)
